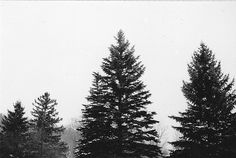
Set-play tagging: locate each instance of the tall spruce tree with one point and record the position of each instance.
(116, 122)
(46, 133)
(14, 130)
(206, 122)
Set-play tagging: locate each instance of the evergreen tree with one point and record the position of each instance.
(116, 122)
(206, 122)
(14, 130)
(46, 133)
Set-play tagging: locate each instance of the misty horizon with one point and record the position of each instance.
(56, 46)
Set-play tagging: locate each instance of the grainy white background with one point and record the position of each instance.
(55, 47)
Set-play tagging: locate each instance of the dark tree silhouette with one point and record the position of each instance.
(14, 130)
(46, 133)
(116, 122)
(206, 122)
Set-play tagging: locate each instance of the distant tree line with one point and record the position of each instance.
(116, 122)
(35, 138)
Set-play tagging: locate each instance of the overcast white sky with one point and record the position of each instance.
(55, 47)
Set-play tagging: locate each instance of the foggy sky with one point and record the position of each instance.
(55, 47)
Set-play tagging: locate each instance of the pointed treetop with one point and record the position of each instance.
(203, 54)
(122, 43)
(120, 36)
(18, 106)
(46, 94)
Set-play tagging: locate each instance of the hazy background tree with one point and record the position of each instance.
(164, 145)
(14, 128)
(70, 135)
(45, 129)
(117, 107)
(206, 122)
(1, 117)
